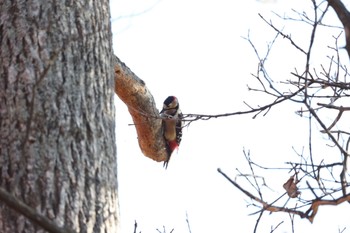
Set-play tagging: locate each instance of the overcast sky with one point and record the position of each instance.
(196, 51)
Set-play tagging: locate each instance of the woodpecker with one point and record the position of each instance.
(172, 125)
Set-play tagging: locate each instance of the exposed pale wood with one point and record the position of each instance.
(140, 102)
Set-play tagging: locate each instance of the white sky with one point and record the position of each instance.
(195, 51)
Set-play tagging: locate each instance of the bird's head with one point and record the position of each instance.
(171, 104)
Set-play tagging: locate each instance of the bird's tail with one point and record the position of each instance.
(171, 147)
(165, 164)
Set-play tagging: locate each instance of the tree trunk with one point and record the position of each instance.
(57, 139)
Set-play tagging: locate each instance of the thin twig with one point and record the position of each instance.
(309, 214)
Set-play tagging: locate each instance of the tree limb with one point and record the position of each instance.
(308, 214)
(30, 213)
(139, 100)
(344, 17)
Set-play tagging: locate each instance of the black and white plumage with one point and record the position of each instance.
(172, 125)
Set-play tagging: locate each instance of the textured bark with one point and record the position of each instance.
(139, 100)
(57, 141)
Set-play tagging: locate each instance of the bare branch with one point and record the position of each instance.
(139, 100)
(330, 85)
(188, 223)
(31, 214)
(330, 106)
(135, 227)
(195, 117)
(288, 37)
(275, 228)
(344, 17)
(164, 231)
(309, 214)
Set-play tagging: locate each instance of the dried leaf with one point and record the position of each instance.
(291, 187)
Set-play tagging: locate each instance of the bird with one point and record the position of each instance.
(171, 116)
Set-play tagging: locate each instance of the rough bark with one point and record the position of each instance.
(139, 100)
(57, 141)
